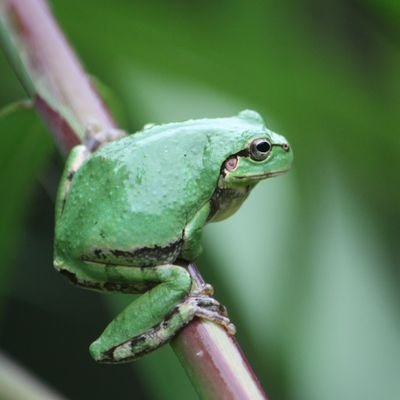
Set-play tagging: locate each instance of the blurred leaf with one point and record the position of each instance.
(345, 343)
(391, 8)
(158, 98)
(24, 148)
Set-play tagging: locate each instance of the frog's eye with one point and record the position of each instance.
(259, 149)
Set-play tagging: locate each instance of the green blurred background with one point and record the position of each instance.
(309, 267)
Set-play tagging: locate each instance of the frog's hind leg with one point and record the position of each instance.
(105, 278)
(181, 314)
(155, 316)
(171, 284)
(167, 304)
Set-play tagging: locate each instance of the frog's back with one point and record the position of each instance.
(140, 192)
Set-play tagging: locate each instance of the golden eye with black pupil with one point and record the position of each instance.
(259, 149)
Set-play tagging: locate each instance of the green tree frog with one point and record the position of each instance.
(129, 218)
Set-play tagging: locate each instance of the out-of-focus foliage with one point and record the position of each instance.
(309, 266)
(24, 148)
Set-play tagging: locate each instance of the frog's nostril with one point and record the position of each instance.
(285, 146)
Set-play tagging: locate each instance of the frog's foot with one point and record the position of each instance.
(208, 308)
(95, 137)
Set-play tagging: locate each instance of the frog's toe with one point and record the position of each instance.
(113, 353)
(96, 350)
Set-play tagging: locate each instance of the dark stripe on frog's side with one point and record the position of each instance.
(150, 251)
(120, 287)
(144, 256)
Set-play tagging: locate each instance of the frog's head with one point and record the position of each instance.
(264, 154)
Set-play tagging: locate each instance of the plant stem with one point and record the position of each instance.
(68, 103)
(214, 361)
(50, 72)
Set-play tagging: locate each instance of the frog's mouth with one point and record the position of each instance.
(262, 176)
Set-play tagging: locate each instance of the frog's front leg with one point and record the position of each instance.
(192, 234)
(171, 283)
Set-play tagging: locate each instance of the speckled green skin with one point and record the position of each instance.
(129, 218)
